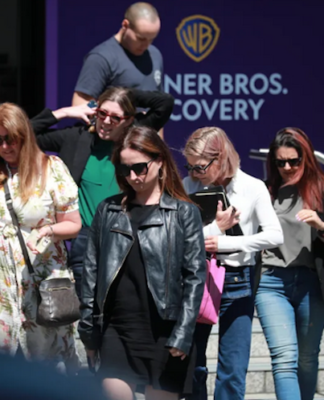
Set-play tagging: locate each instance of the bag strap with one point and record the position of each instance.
(16, 224)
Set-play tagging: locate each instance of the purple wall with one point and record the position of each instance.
(274, 46)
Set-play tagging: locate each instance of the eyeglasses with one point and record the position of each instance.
(293, 162)
(199, 168)
(115, 119)
(9, 140)
(124, 170)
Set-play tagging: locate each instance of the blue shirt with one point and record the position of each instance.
(109, 64)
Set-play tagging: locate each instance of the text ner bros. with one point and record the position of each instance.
(243, 93)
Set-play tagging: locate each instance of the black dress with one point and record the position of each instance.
(133, 346)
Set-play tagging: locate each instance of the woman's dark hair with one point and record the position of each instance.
(147, 141)
(122, 96)
(309, 178)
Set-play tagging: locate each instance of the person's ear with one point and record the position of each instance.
(129, 121)
(159, 162)
(125, 24)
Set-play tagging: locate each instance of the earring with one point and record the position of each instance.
(160, 174)
(93, 120)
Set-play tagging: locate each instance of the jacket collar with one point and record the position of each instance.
(166, 202)
(155, 218)
(236, 182)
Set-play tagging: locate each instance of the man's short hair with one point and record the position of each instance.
(139, 11)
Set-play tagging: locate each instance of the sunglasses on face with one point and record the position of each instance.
(115, 119)
(199, 168)
(9, 140)
(293, 162)
(124, 170)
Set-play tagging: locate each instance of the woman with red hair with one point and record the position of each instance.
(289, 300)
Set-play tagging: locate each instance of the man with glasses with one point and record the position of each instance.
(127, 59)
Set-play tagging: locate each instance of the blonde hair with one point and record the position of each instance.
(32, 161)
(212, 142)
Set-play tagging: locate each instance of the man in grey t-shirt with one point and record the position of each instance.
(127, 59)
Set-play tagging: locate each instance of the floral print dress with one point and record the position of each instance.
(18, 303)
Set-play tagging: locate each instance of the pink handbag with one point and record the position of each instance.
(209, 307)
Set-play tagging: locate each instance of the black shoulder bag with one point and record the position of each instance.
(58, 303)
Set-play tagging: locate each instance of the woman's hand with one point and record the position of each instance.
(80, 112)
(37, 235)
(311, 218)
(177, 353)
(228, 218)
(211, 244)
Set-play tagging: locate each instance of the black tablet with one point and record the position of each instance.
(207, 201)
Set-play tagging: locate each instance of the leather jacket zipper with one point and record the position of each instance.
(168, 263)
(125, 233)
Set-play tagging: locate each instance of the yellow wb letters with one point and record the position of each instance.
(197, 36)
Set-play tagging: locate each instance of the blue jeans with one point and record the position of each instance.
(235, 329)
(199, 389)
(291, 312)
(76, 257)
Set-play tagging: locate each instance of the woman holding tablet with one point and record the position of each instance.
(212, 161)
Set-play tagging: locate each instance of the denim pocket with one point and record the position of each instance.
(237, 284)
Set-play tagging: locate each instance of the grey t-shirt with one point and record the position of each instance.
(296, 249)
(109, 64)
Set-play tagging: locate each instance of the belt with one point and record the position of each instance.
(221, 263)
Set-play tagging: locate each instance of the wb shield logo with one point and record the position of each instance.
(197, 36)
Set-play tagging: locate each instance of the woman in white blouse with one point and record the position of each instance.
(212, 161)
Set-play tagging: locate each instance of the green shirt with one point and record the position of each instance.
(98, 180)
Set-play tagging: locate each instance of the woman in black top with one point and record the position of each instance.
(144, 274)
(87, 150)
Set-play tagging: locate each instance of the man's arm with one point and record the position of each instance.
(160, 107)
(93, 79)
(80, 98)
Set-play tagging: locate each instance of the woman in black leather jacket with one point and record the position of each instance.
(143, 275)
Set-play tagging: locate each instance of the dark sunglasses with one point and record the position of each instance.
(293, 162)
(9, 140)
(199, 168)
(141, 168)
(115, 119)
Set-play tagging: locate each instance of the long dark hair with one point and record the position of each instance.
(309, 178)
(147, 141)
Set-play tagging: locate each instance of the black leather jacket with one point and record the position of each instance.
(173, 250)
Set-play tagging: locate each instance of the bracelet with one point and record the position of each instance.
(52, 230)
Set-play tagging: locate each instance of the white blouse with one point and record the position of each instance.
(250, 196)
